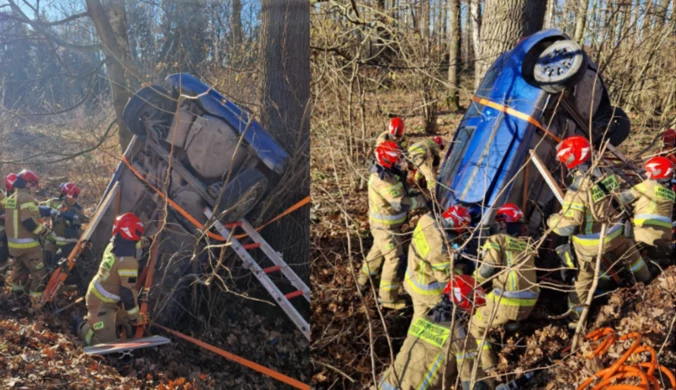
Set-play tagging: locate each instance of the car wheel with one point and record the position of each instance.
(150, 105)
(240, 195)
(612, 124)
(561, 64)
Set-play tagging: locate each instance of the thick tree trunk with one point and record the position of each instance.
(285, 98)
(505, 23)
(236, 23)
(580, 20)
(110, 21)
(549, 17)
(475, 10)
(453, 46)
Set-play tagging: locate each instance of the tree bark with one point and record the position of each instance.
(236, 22)
(509, 21)
(285, 98)
(549, 17)
(580, 20)
(453, 46)
(110, 21)
(475, 10)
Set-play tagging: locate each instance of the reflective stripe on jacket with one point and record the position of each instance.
(22, 206)
(512, 260)
(429, 262)
(388, 201)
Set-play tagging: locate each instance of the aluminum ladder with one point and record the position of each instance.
(242, 250)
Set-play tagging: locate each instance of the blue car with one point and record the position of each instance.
(538, 87)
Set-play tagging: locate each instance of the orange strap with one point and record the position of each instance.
(510, 111)
(172, 203)
(247, 363)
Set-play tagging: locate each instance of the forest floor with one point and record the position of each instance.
(353, 342)
(38, 350)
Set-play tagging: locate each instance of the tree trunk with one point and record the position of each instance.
(580, 20)
(236, 23)
(110, 21)
(475, 10)
(549, 17)
(453, 46)
(509, 21)
(285, 98)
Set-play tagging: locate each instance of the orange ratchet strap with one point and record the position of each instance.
(247, 363)
(172, 203)
(510, 111)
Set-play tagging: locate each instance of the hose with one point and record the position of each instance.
(611, 376)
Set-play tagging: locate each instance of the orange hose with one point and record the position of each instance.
(619, 370)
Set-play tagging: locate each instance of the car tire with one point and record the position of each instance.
(153, 101)
(560, 65)
(241, 194)
(611, 123)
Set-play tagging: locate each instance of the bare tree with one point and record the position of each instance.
(453, 48)
(111, 25)
(580, 19)
(285, 96)
(475, 11)
(506, 21)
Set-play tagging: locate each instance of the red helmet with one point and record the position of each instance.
(9, 181)
(396, 128)
(457, 217)
(388, 154)
(669, 138)
(573, 151)
(465, 293)
(659, 168)
(29, 177)
(439, 141)
(70, 190)
(128, 226)
(509, 213)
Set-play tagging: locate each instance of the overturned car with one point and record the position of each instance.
(194, 154)
(540, 92)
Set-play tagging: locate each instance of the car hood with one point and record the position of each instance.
(265, 146)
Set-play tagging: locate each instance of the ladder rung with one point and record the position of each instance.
(274, 268)
(294, 294)
(253, 245)
(233, 224)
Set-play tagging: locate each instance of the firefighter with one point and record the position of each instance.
(114, 283)
(425, 157)
(24, 235)
(67, 218)
(653, 201)
(587, 205)
(4, 250)
(389, 204)
(429, 260)
(421, 361)
(394, 133)
(508, 265)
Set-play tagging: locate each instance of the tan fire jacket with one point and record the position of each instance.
(422, 154)
(22, 223)
(585, 207)
(385, 136)
(2, 211)
(513, 261)
(389, 203)
(115, 280)
(66, 232)
(428, 268)
(421, 361)
(653, 210)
